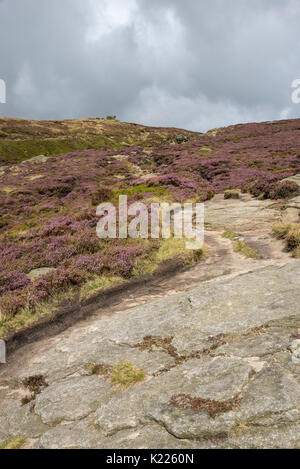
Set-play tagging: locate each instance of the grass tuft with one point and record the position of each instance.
(245, 250)
(125, 375)
(13, 443)
(229, 234)
(290, 232)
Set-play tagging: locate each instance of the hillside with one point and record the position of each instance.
(49, 250)
(22, 139)
(140, 343)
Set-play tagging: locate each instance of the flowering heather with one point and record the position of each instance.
(48, 209)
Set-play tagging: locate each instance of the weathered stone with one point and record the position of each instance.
(78, 435)
(217, 378)
(16, 420)
(274, 437)
(294, 203)
(72, 399)
(295, 347)
(291, 214)
(228, 305)
(36, 273)
(65, 359)
(37, 159)
(258, 344)
(271, 398)
(185, 423)
(242, 214)
(230, 340)
(147, 437)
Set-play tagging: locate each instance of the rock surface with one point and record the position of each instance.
(219, 346)
(243, 214)
(295, 179)
(213, 343)
(36, 273)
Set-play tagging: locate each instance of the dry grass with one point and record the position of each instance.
(26, 317)
(125, 375)
(242, 248)
(232, 194)
(172, 247)
(280, 230)
(290, 233)
(122, 375)
(13, 443)
(229, 234)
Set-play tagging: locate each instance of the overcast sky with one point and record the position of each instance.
(196, 64)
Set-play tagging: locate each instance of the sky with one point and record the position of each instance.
(194, 64)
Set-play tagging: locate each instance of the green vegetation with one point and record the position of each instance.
(296, 253)
(27, 316)
(23, 139)
(122, 375)
(20, 150)
(229, 234)
(125, 375)
(280, 230)
(290, 233)
(14, 443)
(242, 248)
(140, 189)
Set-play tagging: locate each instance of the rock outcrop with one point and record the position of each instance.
(221, 367)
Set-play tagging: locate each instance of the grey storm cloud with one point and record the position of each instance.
(196, 64)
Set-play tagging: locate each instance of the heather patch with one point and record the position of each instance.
(48, 208)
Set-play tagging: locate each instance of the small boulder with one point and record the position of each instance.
(37, 159)
(37, 273)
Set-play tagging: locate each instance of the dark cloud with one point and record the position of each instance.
(194, 64)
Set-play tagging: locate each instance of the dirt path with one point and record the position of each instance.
(221, 261)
